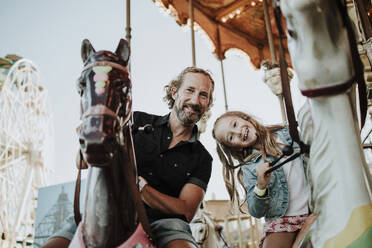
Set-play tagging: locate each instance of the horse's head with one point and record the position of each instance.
(105, 90)
(199, 229)
(317, 42)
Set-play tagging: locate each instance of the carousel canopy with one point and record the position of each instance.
(238, 24)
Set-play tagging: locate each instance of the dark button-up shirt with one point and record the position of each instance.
(168, 170)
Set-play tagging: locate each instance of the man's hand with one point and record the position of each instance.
(262, 179)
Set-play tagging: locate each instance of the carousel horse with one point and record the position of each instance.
(113, 213)
(206, 232)
(321, 49)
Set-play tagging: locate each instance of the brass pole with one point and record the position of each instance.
(191, 9)
(128, 31)
(224, 87)
(269, 32)
(273, 56)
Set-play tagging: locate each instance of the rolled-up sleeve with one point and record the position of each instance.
(202, 173)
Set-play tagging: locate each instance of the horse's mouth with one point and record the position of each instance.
(101, 159)
(98, 148)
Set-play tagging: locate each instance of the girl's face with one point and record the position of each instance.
(235, 132)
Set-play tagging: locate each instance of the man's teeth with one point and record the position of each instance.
(245, 134)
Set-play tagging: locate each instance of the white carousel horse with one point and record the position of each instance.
(340, 187)
(206, 232)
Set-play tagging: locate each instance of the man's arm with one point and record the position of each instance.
(186, 204)
(57, 242)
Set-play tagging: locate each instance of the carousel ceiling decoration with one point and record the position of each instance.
(229, 24)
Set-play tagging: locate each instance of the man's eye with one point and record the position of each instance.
(189, 90)
(231, 137)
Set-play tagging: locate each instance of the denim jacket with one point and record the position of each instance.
(274, 203)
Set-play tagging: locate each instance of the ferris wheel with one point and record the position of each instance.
(25, 128)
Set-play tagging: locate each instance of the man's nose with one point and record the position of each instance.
(195, 99)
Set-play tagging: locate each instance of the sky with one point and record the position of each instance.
(50, 32)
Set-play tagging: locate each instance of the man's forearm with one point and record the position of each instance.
(165, 203)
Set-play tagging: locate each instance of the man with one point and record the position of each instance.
(173, 166)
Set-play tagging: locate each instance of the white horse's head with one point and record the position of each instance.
(206, 232)
(199, 228)
(317, 42)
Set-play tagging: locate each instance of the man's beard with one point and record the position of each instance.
(187, 118)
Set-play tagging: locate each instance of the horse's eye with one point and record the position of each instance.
(292, 33)
(81, 84)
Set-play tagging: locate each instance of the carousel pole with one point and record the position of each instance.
(224, 87)
(272, 53)
(203, 121)
(128, 30)
(191, 8)
(220, 57)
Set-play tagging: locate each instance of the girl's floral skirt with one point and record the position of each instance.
(283, 224)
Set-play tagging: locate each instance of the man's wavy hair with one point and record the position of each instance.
(177, 82)
(268, 146)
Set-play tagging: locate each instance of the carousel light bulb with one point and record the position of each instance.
(238, 11)
(253, 3)
(231, 15)
(224, 19)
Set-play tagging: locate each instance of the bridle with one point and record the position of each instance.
(101, 109)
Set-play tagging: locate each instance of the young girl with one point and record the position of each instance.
(281, 196)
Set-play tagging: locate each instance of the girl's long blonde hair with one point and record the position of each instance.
(268, 146)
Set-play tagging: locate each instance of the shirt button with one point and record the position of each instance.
(161, 155)
(150, 173)
(168, 137)
(175, 165)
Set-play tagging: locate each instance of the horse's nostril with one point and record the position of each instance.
(95, 122)
(82, 143)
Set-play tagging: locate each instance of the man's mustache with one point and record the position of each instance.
(196, 108)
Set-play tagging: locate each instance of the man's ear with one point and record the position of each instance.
(173, 92)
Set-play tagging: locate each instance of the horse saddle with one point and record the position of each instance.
(137, 240)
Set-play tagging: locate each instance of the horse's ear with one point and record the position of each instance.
(123, 50)
(86, 49)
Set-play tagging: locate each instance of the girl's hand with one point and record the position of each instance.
(262, 179)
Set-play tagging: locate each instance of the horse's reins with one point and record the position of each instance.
(103, 110)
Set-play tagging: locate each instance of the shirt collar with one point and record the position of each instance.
(162, 120)
(165, 120)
